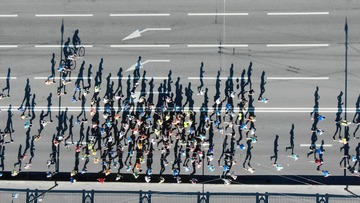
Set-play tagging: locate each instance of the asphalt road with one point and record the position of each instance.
(290, 100)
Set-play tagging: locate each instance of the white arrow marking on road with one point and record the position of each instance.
(145, 62)
(137, 33)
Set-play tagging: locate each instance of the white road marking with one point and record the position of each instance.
(64, 15)
(8, 46)
(297, 45)
(215, 45)
(147, 78)
(8, 16)
(11, 78)
(214, 78)
(298, 78)
(300, 13)
(145, 62)
(257, 109)
(138, 33)
(58, 46)
(139, 45)
(72, 78)
(218, 14)
(308, 145)
(152, 92)
(139, 14)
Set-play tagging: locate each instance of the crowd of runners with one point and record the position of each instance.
(125, 127)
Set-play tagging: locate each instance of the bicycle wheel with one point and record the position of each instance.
(81, 51)
(73, 50)
(72, 64)
(62, 65)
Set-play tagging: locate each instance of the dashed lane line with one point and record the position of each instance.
(218, 14)
(297, 45)
(298, 13)
(139, 14)
(64, 15)
(139, 45)
(308, 145)
(215, 45)
(8, 16)
(71, 78)
(5, 78)
(57, 46)
(140, 78)
(8, 46)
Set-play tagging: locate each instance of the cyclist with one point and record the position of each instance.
(76, 39)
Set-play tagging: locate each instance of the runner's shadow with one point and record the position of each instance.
(20, 157)
(249, 73)
(9, 124)
(32, 149)
(217, 89)
(89, 78)
(276, 144)
(229, 85)
(2, 157)
(201, 76)
(7, 83)
(151, 91)
(26, 97)
(143, 85)
(356, 119)
(53, 62)
(98, 76)
(33, 104)
(80, 76)
(189, 99)
(242, 85)
(262, 85)
(338, 116)
(136, 71)
(119, 75)
(315, 111)
(169, 81)
(49, 104)
(178, 93)
(27, 141)
(291, 139)
(108, 87)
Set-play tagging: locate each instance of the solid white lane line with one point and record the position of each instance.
(216, 45)
(257, 110)
(139, 14)
(72, 78)
(214, 78)
(11, 78)
(218, 14)
(318, 145)
(297, 45)
(8, 16)
(147, 78)
(299, 13)
(151, 92)
(64, 15)
(139, 46)
(298, 78)
(57, 46)
(8, 46)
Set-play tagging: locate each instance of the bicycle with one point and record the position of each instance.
(80, 51)
(70, 62)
